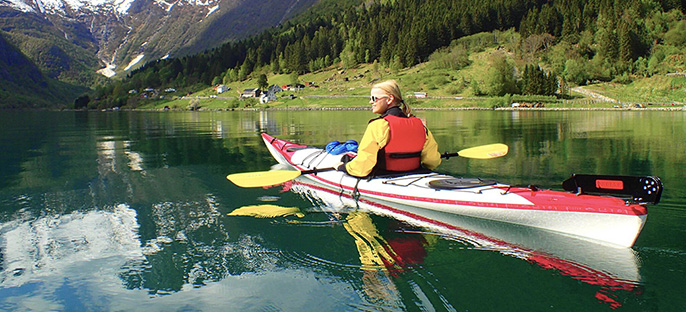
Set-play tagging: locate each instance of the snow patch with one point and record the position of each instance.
(134, 61)
(122, 6)
(211, 10)
(40, 6)
(59, 6)
(165, 5)
(83, 3)
(200, 2)
(108, 71)
(18, 5)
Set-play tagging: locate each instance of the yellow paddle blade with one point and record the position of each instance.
(262, 178)
(485, 151)
(267, 211)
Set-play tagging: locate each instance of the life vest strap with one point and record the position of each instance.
(405, 155)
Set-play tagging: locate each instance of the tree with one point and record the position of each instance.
(295, 58)
(537, 81)
(262, 82)
(294, 78)
(348, 56)
(499, 80)
(396, 65)
(82, 102)
(676, 35)
(606, 38)
(216, 80)
(274, 67)
(575, 72)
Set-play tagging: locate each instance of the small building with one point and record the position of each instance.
(274, 89)
(419, 94)
(270, 95)
(293, 87)
(133, 91)
(221, 88)
(248, 93)
(169, 90)
(150, 93)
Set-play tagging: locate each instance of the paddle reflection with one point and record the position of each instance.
(612, 270)
(382, 255)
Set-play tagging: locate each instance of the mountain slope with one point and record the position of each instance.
(23, 85)
(59, 50)
(71, 40)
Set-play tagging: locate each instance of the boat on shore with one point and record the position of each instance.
(577, 212)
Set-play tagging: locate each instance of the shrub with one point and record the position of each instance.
(235, 103)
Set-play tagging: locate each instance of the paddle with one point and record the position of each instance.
(275, 177)
(267, 178)
(480, 152)
(267, 211)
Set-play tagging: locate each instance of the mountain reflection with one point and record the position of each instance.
(52, 245)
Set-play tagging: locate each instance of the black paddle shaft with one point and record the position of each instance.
(316, 170)
(447, 155)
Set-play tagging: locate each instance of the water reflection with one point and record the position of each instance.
(611, 269)
(48, 257)
(127, 211)
(52, 244)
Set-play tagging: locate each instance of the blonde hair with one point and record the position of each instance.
(391, 87)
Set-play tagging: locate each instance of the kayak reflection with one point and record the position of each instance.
(611, 269)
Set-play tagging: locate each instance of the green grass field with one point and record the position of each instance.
(446, 88)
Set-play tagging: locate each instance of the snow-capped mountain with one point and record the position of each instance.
(63, 6)
(68, 37)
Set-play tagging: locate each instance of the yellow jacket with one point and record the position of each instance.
(375, 138)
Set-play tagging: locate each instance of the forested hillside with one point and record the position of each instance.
(573, 41)
(23, 85)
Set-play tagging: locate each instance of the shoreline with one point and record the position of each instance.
(361, 108)
(671, 108)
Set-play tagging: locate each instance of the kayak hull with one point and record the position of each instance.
(602, 219)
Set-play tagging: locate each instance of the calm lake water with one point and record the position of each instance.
(127, 211)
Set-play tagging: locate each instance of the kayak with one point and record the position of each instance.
(584, 211)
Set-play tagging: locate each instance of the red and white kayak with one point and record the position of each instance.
(603, 219)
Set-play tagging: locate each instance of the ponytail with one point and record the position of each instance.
(407, 110)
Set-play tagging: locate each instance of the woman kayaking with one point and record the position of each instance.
(396, 141)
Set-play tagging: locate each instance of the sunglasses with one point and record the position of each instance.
(374, 98)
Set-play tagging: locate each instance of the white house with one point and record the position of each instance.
(248, 93)
(222, 88)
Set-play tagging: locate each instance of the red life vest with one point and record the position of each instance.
(405, 143)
